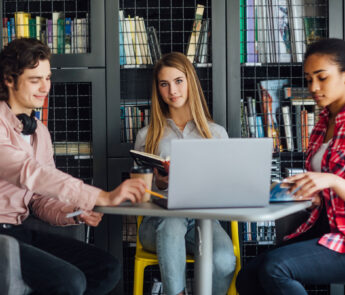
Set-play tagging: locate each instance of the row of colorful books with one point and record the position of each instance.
(261, 232)
(277, 31)
(287, 114)
(134, 116)
(63, 35)
(140, 45)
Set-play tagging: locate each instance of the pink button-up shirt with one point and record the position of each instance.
(28, 177)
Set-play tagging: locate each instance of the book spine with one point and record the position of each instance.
(49, 27)
(61, 36)
(288, 128)
(68, 35)
(194, 37)
(251, 52)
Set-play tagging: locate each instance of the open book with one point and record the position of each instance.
(281, 194)
(154, 161)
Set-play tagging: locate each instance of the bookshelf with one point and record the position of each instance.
(73, 20)
(259, 60)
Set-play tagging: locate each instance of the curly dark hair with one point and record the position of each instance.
(18, 55)
(333, 47)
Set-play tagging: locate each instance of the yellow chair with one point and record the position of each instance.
(144, 258)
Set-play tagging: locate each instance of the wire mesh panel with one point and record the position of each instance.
(275, 101)
(148, 29)
(62, 24)
(70, 126)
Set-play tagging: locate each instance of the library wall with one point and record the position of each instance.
(275, 101)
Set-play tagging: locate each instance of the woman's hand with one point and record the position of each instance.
(309, 184)
(161, 181)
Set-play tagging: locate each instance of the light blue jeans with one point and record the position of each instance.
(171, 238)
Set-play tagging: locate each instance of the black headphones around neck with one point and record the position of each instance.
(29, 123)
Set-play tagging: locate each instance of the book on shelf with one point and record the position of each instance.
(296, 13)
(145, 41)
(134, 116)
(32, 28)
(195, 34)
(291, 92)
(55, 16)
(61, 36)
(21, 20)
(281, 30)
(72, 148)
(293, 171)
(5, 31)
(42, 113)
(40, 27)
(251, 32)
(288, 128)
(277, 31)
(121, 39)
(251, 117)
(271, 95)
(315, 28)
(136, 46)
(68, 35)
(153, 42)
(140, 41)
(201, 55)
(243, 42)
(304, 129)
(49, 26)
(151, 160)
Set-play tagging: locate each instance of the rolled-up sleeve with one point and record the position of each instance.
(23, 170)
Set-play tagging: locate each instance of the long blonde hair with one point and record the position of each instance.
(160, 110)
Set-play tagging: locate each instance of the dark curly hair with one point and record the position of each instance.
(18, 55)
(333, 47)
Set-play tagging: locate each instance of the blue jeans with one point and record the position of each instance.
(172, 238)
(283, 270)
(53, 264)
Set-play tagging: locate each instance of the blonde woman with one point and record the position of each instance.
(179, 111)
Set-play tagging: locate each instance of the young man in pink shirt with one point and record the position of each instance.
(29, 179)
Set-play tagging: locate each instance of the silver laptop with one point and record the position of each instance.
(219, 173)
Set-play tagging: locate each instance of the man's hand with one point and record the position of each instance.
(91, 218)
(131, 189)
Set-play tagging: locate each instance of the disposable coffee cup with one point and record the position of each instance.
(146, 174)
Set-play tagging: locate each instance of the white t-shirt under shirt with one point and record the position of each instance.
(317, 158)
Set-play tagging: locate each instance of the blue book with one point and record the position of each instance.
(9, 32)
(281, 194)
(260, 127)
(13, 29)
(122, 47)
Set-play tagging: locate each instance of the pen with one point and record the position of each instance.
(155, 194)
(76, 213)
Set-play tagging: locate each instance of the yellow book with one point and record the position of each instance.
(19, 23)
(136, 47)
(27, 16)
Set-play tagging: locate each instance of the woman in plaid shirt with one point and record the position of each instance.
(315, 252)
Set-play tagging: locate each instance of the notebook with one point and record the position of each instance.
(219, 173)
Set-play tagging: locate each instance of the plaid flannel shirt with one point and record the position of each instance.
(333, 161)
